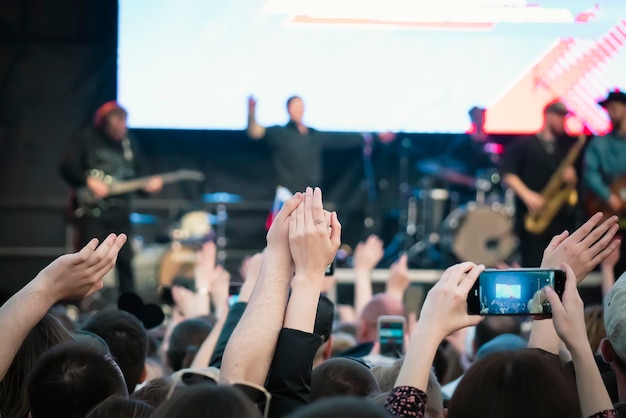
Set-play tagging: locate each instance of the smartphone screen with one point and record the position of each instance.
(391, 335)
(514, 292)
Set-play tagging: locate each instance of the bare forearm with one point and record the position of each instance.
(250, 350)
(18, 316)
(362, 289)
(204, 354)
(419, 359)
(608, 279)
(544, 336)
(254, 130)
(592, 393)
(302, 306)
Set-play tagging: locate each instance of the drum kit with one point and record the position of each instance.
(164, 265)
(442, 229)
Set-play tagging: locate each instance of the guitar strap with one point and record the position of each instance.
(128, 150)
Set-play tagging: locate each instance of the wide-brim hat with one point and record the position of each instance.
(614, 96)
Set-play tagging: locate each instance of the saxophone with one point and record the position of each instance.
(556, 193)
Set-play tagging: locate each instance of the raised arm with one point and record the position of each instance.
(314, 239)
(254, 130)
(583, 250)
(250, 349)
(366, 256)
(444, 312)
(569, 320)
(71, 276)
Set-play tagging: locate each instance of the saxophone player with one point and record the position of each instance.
(528, 166)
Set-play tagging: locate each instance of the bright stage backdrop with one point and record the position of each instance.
(369, 65)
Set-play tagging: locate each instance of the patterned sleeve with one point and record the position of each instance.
(609, 413)
(407, 401)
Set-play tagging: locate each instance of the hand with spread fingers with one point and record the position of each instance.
(569, 321)
(583, 250)
(74, 276)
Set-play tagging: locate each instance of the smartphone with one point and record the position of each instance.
(391, 335)
(514, 292)
(330, 270)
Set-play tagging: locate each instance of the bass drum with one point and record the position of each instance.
(482, 234)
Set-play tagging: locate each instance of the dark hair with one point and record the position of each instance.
(127, 341)
(492, 326)
(291, 99)
(186, 339)
(121, 408)
(342, 376)
(206, 401)
(47, 333)
(324, 318)
(71, 379)
(342, 407)
(154, 393)
(515, 384)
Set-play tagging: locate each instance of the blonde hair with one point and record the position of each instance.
(594, 323)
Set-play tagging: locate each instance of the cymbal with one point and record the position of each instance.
(439, 171)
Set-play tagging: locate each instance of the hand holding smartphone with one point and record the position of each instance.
(391, 335)
(514, 292)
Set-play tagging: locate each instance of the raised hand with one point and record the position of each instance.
(583, 250)
(278, 235)
(312, 241)
(251, 104)
(368, 254)
(250, 271)
(568, 315)
(445, 307)
(205, 270)
(398, 278)
(74, 276)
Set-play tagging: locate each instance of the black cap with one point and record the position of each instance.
(614, 96)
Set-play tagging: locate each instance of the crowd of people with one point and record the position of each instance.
(283, 349)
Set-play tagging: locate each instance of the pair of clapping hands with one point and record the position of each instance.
(304, 235)
(445, 307)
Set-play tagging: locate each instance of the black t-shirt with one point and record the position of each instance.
(530, 160)
(298, 157)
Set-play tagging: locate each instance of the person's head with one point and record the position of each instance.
(154, 393)
(514, 384)
(341, 407)
(492, 326)
(387, 376)
(477, 116)
(121, 408)
(613, 347)
(127, 341)
(295, 109)
(381, 304)
(185, 341)
(342, 376)
(206, 401)
(111, 118)
(323, 327)
(615, 105)
(554, 114)
(594, 323)
(341, 341)
(46, 334)
(71, 379)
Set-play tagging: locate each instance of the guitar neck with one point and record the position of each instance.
(128, 186)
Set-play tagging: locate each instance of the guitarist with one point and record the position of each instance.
(105, 147)
(527, 166)
(605, 162)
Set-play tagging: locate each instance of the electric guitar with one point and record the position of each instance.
(86, 203)
(594, 204)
